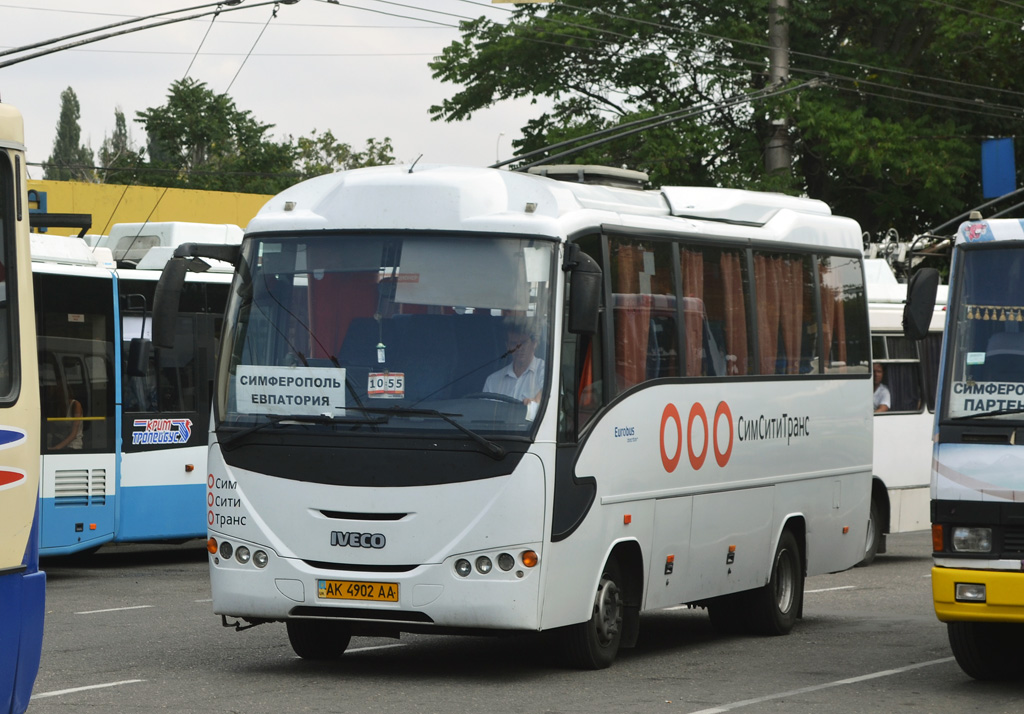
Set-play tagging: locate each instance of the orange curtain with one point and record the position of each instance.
(632, 318)
(768, 274)
(692, 265)
(735, 315)
(791, 288)
(833, 319)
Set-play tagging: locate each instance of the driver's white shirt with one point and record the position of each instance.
(526, 386)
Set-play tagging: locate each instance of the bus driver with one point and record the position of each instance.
(523, 378)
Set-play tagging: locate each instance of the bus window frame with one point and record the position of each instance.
(10, 217)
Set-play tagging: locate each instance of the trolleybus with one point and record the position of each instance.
(469, 401)
(909, 371)
(22, 584)
(124, 426)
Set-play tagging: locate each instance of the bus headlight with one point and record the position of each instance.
(972, 540)
(260, 559)
(506, 561)
(463, 567)
(225, 550)
(242, 554)
(483, 564)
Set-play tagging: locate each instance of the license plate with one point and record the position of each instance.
(351, 590)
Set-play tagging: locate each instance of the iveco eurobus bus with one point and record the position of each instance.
(470, 400)
(123, 453)
(22, 584)
(909, 371)
(977, 484)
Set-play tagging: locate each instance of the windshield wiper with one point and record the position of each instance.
(996, 412)
(275, 419)
(495, 451)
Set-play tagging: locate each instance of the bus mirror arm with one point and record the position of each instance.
(917, 312)
(226, 253)
(166, 301)
(584, 291)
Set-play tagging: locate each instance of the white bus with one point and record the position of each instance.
(126, 460)
(369, 475)
(902, 445)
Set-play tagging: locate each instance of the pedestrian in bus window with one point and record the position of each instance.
(523, 377)
(883, 399)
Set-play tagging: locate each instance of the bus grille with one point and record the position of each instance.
(1013, 540)
(80, 487)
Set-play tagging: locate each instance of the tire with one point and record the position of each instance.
(774, 607)
(594, 644)
(988, 651)
(318, 639)
(874, 536)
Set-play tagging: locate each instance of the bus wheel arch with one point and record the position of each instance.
(775, 607)
(615, 613)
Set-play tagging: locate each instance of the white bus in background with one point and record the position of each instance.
(903, 434)
(699, 431)
(136, 469)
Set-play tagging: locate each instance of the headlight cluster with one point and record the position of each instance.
(972, 540)
(484, 564)
(241, 553)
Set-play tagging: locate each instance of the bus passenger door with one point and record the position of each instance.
(77, 451)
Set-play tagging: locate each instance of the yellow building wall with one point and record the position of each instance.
(109, 204)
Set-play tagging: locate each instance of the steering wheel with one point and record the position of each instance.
(494, 397)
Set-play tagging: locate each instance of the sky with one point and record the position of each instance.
(355, 67)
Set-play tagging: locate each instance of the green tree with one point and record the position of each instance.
(200, 139)
(118, 155)
(70, 160)
(890, 135)
(322, 153)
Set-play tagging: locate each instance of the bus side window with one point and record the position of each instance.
(644, 311)
(715, 314)
(844, 331)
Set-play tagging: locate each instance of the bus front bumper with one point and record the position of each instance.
(1003, 593)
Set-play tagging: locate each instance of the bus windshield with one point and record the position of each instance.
(385, 334)
(986, 357)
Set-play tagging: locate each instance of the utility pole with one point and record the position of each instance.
(779, 155)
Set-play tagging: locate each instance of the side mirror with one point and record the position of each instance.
(584, 295)
(166, 300)
(139, 350)
(917, 313)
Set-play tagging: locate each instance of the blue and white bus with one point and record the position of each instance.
(124, 449)
(977, 486)
(470, 400)
(22, 584)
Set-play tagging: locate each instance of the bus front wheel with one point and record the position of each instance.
(594, 644)
(986, 650)
(318, 639)
(775, 607)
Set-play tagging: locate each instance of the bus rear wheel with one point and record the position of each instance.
(775, 606)
(594, 644)
(874, 535)
(318, 639)
(986, 650)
